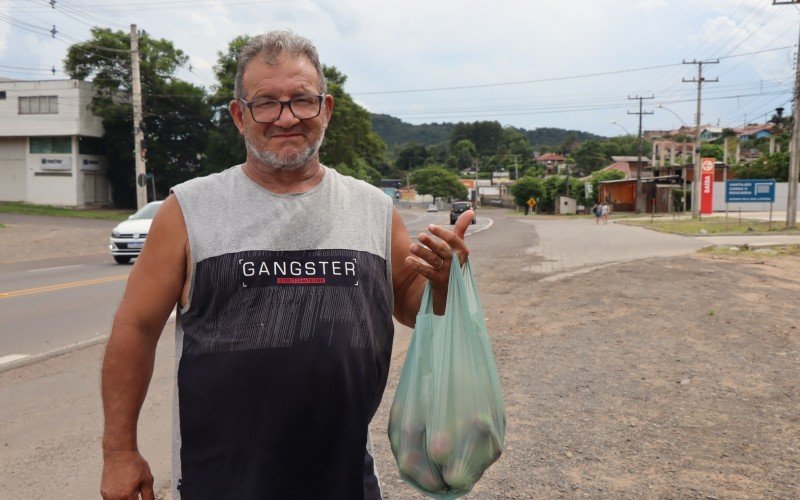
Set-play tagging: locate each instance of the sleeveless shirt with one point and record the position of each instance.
(283, 348)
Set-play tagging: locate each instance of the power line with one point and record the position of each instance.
(551, 79)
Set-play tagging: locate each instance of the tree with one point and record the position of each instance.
(225, 143)
(774, 166)
(438, 182)
(360, 170)
(589, 157)
(464, 152)
(514, 142)
(349, 136)
(525, 188)
(175, 117)
(485, 135)
(708, 150)
(411, 156)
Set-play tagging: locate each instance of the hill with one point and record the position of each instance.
(548, 136)
(396, 132)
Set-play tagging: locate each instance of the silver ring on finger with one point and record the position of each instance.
(441, 263)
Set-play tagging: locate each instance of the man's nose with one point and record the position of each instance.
(286, 118)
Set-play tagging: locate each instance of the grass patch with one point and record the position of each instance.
(746, 251)
(26, 209)
(713, 225)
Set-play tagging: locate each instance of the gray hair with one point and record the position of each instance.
(271, 46)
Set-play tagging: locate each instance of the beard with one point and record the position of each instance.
(289, 162)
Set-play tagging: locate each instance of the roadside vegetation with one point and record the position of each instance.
(26, 209)
(712, 226)
(747, 251)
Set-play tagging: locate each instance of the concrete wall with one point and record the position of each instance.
(781, 200)
(73, 117)
(50, 179)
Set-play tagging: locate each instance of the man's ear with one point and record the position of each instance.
(328, 107)
(237, 113)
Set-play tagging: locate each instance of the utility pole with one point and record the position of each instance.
(638, 202)
(138, 133)
(794, 148)
(696, 177)
(516, 169)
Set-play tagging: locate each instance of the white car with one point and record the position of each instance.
(433, 208)
(127, 239)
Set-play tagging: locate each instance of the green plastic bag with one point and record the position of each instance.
(447, 421)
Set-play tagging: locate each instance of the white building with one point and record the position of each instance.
(51, 149)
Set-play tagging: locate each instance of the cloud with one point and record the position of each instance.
(418, 44)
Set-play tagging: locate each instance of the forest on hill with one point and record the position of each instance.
(396, 132)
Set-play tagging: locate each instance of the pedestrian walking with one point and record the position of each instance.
(604, 212)
(286, 275)
(596, 212)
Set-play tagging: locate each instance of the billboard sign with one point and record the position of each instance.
(707, 185)
(750, 191)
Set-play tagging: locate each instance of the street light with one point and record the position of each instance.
(661, 106)
(621, 126)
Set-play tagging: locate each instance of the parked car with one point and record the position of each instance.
(458, 208)
(127, 239)
(433, 208)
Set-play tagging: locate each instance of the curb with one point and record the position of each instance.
(36, 358)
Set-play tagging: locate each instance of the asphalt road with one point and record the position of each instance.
(54, 304)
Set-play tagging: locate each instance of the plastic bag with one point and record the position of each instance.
(447, 421)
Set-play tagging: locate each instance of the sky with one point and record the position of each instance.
(545, 63)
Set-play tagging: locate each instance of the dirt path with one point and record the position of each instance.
(662, 378)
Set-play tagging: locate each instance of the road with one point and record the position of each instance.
(54, 304)
(51, 414)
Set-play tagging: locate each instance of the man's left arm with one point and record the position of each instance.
(430, 259)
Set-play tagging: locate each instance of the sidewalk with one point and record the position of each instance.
(568, 246)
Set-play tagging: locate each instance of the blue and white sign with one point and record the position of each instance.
(750, 190)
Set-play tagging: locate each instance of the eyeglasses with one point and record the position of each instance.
(269, 110)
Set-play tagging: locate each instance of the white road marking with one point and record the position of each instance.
(53, 268)
(483, 228)
(12, 357)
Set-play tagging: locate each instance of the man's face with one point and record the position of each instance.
(288, 143)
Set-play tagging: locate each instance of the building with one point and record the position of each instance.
(756, 131)
(51, 148)
(551, 161)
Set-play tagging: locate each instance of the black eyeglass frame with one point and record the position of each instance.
(249, 105)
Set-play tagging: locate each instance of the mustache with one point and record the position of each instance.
(297, 129)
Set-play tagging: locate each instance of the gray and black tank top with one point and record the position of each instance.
(283, 348)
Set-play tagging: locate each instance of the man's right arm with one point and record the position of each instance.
(154, 288)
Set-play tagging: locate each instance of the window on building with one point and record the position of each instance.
(91, 146)
(51, 145)
(2, 94)
(38, 105)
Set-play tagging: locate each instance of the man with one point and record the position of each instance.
(286, 275)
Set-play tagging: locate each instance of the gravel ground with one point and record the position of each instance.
(661, 378)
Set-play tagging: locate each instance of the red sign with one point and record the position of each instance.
(707, 185)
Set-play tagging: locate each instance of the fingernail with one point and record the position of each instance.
(430, 227)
